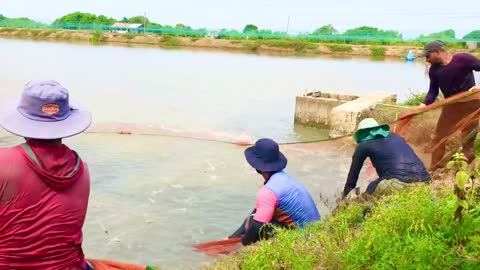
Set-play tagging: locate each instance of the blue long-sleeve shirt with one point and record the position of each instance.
(453, 78)
(391, 156)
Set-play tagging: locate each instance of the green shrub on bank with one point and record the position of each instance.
(409, 230)
(339, 47)
(7, 29)
(377, 51)
(46, 33)
(251, 46)
(292, 44)
(415, 98)
(96, 37)
(130, 35)
(171, 41)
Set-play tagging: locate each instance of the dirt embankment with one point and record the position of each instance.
(276, 47)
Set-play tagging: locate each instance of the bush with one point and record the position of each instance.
(7, 29)
(296, 45)
(130, 35)
(415, 98)
(456, 45)
(339, 47)
(97, 36)
(377, 51)
(251, 46)
(35, 32)
(171, 41)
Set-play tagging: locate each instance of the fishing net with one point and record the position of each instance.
(115, 265)
(219, 247)
(439, 130)
(435, 132)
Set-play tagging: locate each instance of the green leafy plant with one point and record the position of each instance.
(463, 179)
(414, 98)
(414, 229)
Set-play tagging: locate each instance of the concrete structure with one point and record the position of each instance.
(314, 108)
(344, 119)
(342, 113)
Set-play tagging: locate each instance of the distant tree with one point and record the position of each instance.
(473, 35)
(154, 25)
(371, 33)
(103, 20)
(228, 34)
(23, 22)
(138, 19)
(326, 30)
(84, 18)
(250, 28)
(76, 18)
(182, 26)
(443, 35)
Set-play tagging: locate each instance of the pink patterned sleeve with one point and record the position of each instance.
(266, 204)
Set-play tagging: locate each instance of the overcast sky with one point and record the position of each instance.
(410, 17)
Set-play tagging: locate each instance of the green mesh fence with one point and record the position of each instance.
(370, 37)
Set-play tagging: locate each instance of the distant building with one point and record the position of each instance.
(472, 45)
(120, 27)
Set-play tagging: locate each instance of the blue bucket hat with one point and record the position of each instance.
(265, 156)
(44, 111)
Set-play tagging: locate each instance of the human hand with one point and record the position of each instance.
(422, 105)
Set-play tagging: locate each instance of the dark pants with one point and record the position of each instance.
(243, 228)
(451, 115)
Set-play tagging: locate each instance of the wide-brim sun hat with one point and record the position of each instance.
(44, 111)
(265, 156)
(367, 125)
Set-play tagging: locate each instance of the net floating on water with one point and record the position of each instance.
(242, 143)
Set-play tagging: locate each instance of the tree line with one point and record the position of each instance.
(250, 30)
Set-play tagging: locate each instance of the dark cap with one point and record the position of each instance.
(436, 45)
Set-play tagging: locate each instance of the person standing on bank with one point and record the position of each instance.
(452, 74)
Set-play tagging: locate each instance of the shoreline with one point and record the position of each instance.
(264, 47)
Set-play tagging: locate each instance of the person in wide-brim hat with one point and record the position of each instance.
(369, 129)
(44, 112)
(47, 183)
(265, 156)
(396, 163)
(282, 201)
